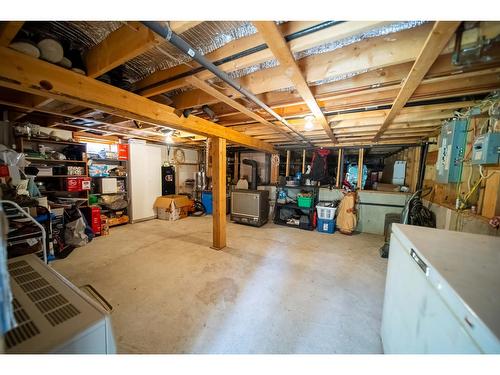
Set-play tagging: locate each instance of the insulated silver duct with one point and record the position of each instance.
(181, 44)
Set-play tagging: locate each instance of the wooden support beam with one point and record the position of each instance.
(360, 168)
(152, 85)
(416, 168)
(491, 197)
(118, 47)
(179, 27)
(202, 85)
(287, 168)
(8, 31)
(277, 44)
(438, 38)
(275, 168)
(26, 74)
(340, 162)
(218, 152)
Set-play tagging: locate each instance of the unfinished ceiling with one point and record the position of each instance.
(354, 78)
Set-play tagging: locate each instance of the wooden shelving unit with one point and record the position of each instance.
(105, 211)
(56, 184)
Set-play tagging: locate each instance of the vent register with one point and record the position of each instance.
(39, 305)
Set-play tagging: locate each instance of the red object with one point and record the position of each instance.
(73, 184)
(78, 183)
(122, 152)
(93, 216)
(4, 170)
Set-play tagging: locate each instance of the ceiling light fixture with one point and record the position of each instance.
(309, 125)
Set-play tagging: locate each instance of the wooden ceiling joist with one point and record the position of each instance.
(8, 31)
(438, 38)
(202, 85)
(368, 55)
(24, 73)
(181, 26)
(152, 85)
(274, 40)
(120, 46)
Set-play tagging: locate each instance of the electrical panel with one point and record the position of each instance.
(486, 149)
(451, 151)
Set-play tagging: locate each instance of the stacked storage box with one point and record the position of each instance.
(326, 217)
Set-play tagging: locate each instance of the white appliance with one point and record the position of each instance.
(144, 165)
(53, 315)
(399, 172)
(442, 292)
(108, 185)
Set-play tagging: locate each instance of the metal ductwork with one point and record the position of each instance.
(163, 30)
(253, 164)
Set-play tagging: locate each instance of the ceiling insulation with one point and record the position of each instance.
(205, 37)
(328, 47)
(79, 35)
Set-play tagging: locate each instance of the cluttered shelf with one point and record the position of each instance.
(285, 224)
(51, 141)
(108, 176)
(295, 206)
(107, 160)
(61, 175)
(54, 160)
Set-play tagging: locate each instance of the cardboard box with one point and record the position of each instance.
(108, 185)
(172, 207)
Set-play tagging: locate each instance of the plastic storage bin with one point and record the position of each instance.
(325, 213)
(326, 226)
(206, 199)
(305, 202)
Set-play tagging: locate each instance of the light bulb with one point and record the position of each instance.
(309, 125)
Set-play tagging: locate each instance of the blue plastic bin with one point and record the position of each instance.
(206, 199)
(326, 226)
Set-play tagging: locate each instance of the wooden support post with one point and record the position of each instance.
(491, 198)
(416, 168)
(275, 168)
(360, 168)
(287, 171)
(218, 152)
(340, 163)
(303, 161)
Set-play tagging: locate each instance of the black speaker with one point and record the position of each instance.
(167, 180)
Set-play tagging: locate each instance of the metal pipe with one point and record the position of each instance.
(247, 52)
(183, 46)
(253, 164)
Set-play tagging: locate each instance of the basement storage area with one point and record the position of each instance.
(250, 187)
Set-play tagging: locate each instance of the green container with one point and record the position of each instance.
(305, 202)
(93, 199)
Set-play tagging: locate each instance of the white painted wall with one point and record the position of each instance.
(144, 179)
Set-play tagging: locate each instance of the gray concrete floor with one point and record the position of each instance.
(272, 290)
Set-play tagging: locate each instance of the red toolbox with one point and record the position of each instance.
(93, 216)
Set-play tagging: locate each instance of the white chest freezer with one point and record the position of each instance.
(53, 316)
(442, 292)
